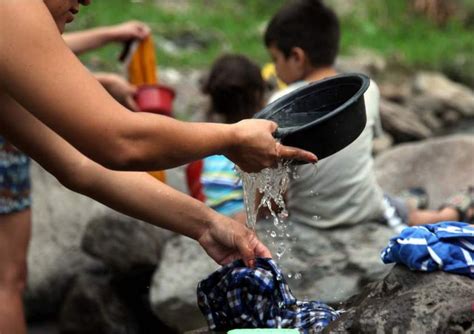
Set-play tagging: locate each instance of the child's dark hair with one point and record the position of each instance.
(236, 87)
(308, 24)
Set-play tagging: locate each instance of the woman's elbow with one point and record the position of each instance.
(122, 155)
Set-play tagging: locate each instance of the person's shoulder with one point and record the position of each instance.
(288, 89)
(373, 89)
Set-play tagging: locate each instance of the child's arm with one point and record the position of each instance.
(133, 193)
(39, 71)
(86, 40)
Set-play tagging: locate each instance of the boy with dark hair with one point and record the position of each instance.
(295, 26)
(303, 41)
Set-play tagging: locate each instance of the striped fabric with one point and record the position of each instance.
(447, 246)
(221, 185)
(236, 296)
(14, 179)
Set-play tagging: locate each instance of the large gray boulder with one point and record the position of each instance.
(410, 302)
(123, 244)
(173, 292)
(446, 92)
(55, 257)
(443, 166)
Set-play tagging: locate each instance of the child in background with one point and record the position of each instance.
(236, 90)
(303, 41)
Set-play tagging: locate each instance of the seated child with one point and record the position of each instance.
(303, 41)
(236, 90)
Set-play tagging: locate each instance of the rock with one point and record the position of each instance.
(363, 61)
(402, 123)
(55, 258)
(93, 307)
(410, 302)
(398, 92)
(381, 143)
(190, 103)
(443, 166)
(330, 265)
(450, 94)
(101, 302)
(173, 293)
(124, 244)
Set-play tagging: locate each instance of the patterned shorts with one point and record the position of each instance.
(14, 179)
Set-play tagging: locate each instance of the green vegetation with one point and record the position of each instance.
(206, 28)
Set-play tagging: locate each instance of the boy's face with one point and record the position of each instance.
(63, 11)
(289, 69)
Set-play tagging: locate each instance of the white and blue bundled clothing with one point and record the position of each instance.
(14, 179)
(447, 246)
(236, 296)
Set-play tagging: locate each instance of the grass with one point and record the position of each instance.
(218, 26)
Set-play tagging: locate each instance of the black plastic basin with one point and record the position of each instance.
(322, 117)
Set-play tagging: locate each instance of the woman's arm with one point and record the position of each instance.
(86, 40)
(133, 193)
(39, 71)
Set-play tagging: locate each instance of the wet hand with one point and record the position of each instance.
(227, 240)
(255, 147)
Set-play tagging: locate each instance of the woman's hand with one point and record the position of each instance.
(129, 30)
(255, 148)
(228, 240)
(119, 88)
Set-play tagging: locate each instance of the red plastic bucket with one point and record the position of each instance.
(155, 99)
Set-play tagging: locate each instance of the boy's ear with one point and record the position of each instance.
(298, 55)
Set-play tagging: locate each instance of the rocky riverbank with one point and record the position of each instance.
(96, 271)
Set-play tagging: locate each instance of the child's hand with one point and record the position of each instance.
(255, 147)
(119, 88)
(228, 240)
(129, 30)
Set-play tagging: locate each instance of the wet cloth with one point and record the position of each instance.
(14, 179)
(236, 296)
(221, 185)
(447, 246)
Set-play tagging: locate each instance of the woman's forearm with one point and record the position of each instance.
(141, 196)
(133, 193)
(86, 40)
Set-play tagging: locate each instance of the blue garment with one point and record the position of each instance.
(14, 179)
(222, 186)
(447, 246)
(236, 296)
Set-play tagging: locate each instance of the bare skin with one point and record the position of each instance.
(15, 231)
(86, 40)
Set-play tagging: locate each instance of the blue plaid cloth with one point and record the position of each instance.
(447, 246)
(236, 296)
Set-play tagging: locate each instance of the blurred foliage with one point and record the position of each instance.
(191, 33)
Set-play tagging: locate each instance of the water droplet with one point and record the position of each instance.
(290, 275)
(278, 277)
(316, 217)
(298, 276)
(273, 234)
(281, 250)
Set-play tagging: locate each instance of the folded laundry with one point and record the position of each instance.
(447, 246)
(236, 296)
